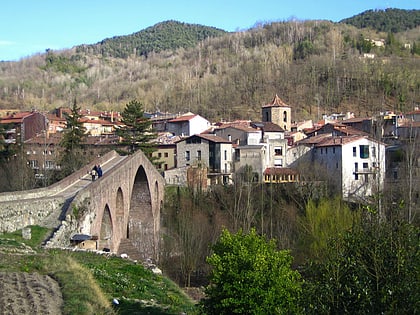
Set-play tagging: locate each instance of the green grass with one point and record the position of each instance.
(89, 282)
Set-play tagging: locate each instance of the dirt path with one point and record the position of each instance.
(29, 293)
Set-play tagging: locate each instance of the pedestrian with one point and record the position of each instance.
(94, 172)
(99, 171)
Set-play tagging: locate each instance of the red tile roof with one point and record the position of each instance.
(280, 171)
(182, 118)
(276, 102)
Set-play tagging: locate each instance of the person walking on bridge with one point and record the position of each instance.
(94, 172)
(99, 170)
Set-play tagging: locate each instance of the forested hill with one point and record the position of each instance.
(389, 20)
(168, 35)
(316, 67)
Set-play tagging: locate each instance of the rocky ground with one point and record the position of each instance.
(29, 293)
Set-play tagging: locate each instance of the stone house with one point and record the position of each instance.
(209, 151)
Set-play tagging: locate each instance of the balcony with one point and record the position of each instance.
(370, 170)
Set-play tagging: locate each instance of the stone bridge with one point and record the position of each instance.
(120, 211)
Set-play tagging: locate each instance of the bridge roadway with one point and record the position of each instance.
(84, 180)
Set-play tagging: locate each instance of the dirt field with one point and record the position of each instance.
(29, 293)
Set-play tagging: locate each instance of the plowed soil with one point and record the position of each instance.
(29, 293)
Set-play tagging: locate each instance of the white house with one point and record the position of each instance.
(355, 164)
(187, 125)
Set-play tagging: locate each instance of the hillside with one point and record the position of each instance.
(314, 66)
(389, 20)
(169, 35)
(38, 281)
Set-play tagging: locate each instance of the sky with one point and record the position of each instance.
(28, 27)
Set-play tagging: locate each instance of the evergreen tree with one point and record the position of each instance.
(137, 133)
(74, 134)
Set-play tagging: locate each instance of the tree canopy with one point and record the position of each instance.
(71, 159)
(389, 20)
(250, 276)
(136, 132)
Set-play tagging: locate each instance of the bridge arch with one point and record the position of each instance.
(106, 231)
(140, 223)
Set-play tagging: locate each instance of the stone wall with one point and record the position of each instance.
(15, 215)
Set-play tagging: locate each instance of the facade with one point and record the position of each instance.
(207, 150)
(187, 125)
(23, 126)
(355, 164)
(239, 134)
(166, 157)
(254, 156)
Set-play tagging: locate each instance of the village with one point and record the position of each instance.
(356, 155)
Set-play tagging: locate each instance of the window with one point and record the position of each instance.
(356, 169)
(225, 153)
(278, 162)
(166, 167)
(365, 165)
(364, 151)
(333, 150)
(166, 154)
(199, 155)
(354, 151)
(373, 151)
(278, 151)
(159, 155)
(33, 163)
(285, 116)
(49, 164)
(187, 155)
(326, 150)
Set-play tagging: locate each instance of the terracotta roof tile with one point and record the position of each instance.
(276, 102)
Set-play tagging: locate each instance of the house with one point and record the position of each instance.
(240, 133)
(187, 125)
(355, 164)
(97, 127)
(166, 156)
(209, 151)
(22, 126)
(254, 156)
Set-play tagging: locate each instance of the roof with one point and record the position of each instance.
(81, 237)
(16, 118)
(242, 127)
(213, 138)
(276, 102)
(355, 120)
(269, 126)
(338, 141)
(280, 171)
(207, 136)
(182, 118)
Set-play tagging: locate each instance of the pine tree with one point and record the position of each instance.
(137, 133)
(74, 134)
